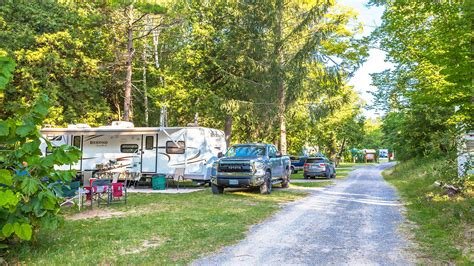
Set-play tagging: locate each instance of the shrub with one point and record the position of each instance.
(28, 180)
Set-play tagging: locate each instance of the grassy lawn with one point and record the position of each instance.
(153, 229)
(311, 184)
(343, 165)
(445, 225)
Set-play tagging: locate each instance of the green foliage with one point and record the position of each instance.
(428, 93)
(58, 53)
(27, 178)
(224, 61)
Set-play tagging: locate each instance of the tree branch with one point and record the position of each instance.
(156, 27)
(140, 18)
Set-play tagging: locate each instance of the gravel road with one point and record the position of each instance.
(355, 222)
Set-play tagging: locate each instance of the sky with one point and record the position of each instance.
(370, 18)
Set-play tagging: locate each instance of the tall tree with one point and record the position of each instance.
(428, 93)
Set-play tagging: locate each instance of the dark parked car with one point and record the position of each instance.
(318, 166)
(297, 163)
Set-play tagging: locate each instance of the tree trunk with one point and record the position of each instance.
(282, 119)
(279, 72)
(145, 89)
(228, 130)
(127, 102)
(341, 151)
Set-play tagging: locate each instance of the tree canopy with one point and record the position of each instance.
(262, 71)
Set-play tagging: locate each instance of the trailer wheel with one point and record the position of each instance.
(217, 189)
(266, 187)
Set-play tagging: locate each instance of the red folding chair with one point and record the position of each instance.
(118, 191)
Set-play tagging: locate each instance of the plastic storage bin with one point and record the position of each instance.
(158, 182)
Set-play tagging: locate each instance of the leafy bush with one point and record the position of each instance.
(28, 180)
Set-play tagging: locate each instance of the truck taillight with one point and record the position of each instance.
(322, 164)
(306, 165)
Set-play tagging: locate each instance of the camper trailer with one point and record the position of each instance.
(144, 150)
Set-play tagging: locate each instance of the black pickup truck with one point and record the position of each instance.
(251, 165)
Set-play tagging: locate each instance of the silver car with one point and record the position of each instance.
(318, 166)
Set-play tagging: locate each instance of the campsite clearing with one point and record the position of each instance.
(153, 229)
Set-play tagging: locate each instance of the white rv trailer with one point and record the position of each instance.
(151, 150)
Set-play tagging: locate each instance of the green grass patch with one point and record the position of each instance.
(312, 184)
(354, 164)
(153, 229)
(445, 224)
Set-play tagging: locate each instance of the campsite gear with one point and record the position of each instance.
(158, 182)
(100, 191)
(69, 193)
(117, 192)
(176, 177)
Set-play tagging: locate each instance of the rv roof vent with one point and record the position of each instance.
(122, 124)
(79, 126)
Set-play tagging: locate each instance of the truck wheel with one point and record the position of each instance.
(217, 189)
(286, 179)
(328, 175)
(305, 176)
(266, 187)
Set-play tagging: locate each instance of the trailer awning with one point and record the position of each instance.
(106, 131)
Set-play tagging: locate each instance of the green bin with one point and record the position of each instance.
(158, 182)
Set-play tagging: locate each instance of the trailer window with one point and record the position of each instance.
(149, 143)
(172, 148)
(55, 138)
(129, 148)
(76, 142)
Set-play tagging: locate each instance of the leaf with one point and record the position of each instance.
(48, 201)
(5, 177)
(29, 185)
(32, 146)
(8, 199)
(7, 66)
(23, 231)
(41, 109)
(25, 130)
(7, 229)
(4, 128)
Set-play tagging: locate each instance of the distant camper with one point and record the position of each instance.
(146, 150)
(370, 155)
(384, 155)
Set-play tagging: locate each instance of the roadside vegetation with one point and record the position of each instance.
(152, 229)
(444, 224)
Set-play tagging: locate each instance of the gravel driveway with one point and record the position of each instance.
(354, 222)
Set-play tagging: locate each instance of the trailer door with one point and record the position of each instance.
(149, 154)
(76, 141)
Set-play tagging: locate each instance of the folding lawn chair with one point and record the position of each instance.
(69, 193)
(100, 191)
(118, 191)
(176, 177)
